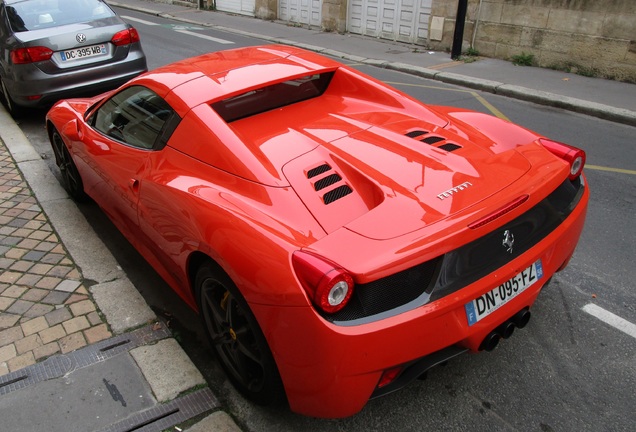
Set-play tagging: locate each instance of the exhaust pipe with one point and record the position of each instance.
(506, 329)
(521, 318)
(490, 342)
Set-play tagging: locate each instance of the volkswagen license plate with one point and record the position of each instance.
(491, 301)
(84, 52)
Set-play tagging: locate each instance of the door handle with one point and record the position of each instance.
(134, 185)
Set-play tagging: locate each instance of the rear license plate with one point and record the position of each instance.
(84, 52)
(491, 301)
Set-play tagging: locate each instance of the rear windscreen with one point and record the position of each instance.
(273, 96)
(29, 15)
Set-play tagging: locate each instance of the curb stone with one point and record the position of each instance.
(218, 421)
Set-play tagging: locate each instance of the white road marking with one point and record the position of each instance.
(202, 36)
(611, 319)
(177, 29)
(129, 18)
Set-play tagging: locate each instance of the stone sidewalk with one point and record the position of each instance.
(69, 317)
(45, 308)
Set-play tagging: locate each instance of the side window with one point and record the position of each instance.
(135, 116)
(4, 21)
(15, 20)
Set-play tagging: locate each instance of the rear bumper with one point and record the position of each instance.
(31, 87)
(332, 371)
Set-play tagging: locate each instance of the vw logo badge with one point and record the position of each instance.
(81, 37)
(508, 241)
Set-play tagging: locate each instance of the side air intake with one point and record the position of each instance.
(327, 181)
(330, 181)
(336, 194)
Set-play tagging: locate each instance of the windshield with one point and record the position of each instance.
(29, 15)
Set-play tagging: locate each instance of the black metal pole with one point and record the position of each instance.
(458, 36)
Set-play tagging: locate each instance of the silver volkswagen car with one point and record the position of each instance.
(54, 49)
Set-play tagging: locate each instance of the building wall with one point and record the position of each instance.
(588, 36)
(334, 15)
(266, 9)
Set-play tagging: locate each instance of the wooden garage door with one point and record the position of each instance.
(308, 12)
(243, 7)
(401, 20)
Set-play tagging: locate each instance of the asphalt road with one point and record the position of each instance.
(570, 369)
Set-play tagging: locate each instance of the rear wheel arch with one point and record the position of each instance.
(195, 261)
(50, 128)
(234, 332)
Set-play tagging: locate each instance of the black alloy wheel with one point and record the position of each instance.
(236, 337)
(71, 179)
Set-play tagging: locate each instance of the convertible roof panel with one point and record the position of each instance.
(214, 76)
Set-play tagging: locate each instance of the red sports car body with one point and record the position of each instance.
(338, 237)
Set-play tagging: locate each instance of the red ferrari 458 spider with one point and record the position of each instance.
(337, 237)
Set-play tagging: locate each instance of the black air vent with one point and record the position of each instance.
(330, 179)
(415, 134)
(432, 139)
(318, 170)
(449, 147)
(327, 181)
(336, 194)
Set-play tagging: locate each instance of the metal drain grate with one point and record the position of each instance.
(161, 417)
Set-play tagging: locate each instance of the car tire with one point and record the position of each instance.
(236, 337)
(13, 109)
(71, 179)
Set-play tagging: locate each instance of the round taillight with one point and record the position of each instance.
(334, 291)
(338, 293)
(328, 285)
(572, 155)
(576, 166)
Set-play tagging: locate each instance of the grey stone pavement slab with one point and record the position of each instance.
(108, 386)
(89, 398)
(167, 380)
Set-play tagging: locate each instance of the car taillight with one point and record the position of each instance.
(328, 285)
(30, 54)
(572, 155)
(125, 37)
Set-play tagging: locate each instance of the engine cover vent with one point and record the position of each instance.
(423, 136)
(318, 170)
(432, 139)
(327, 181)
(449, 147)
(416, 133)
(336, 194)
